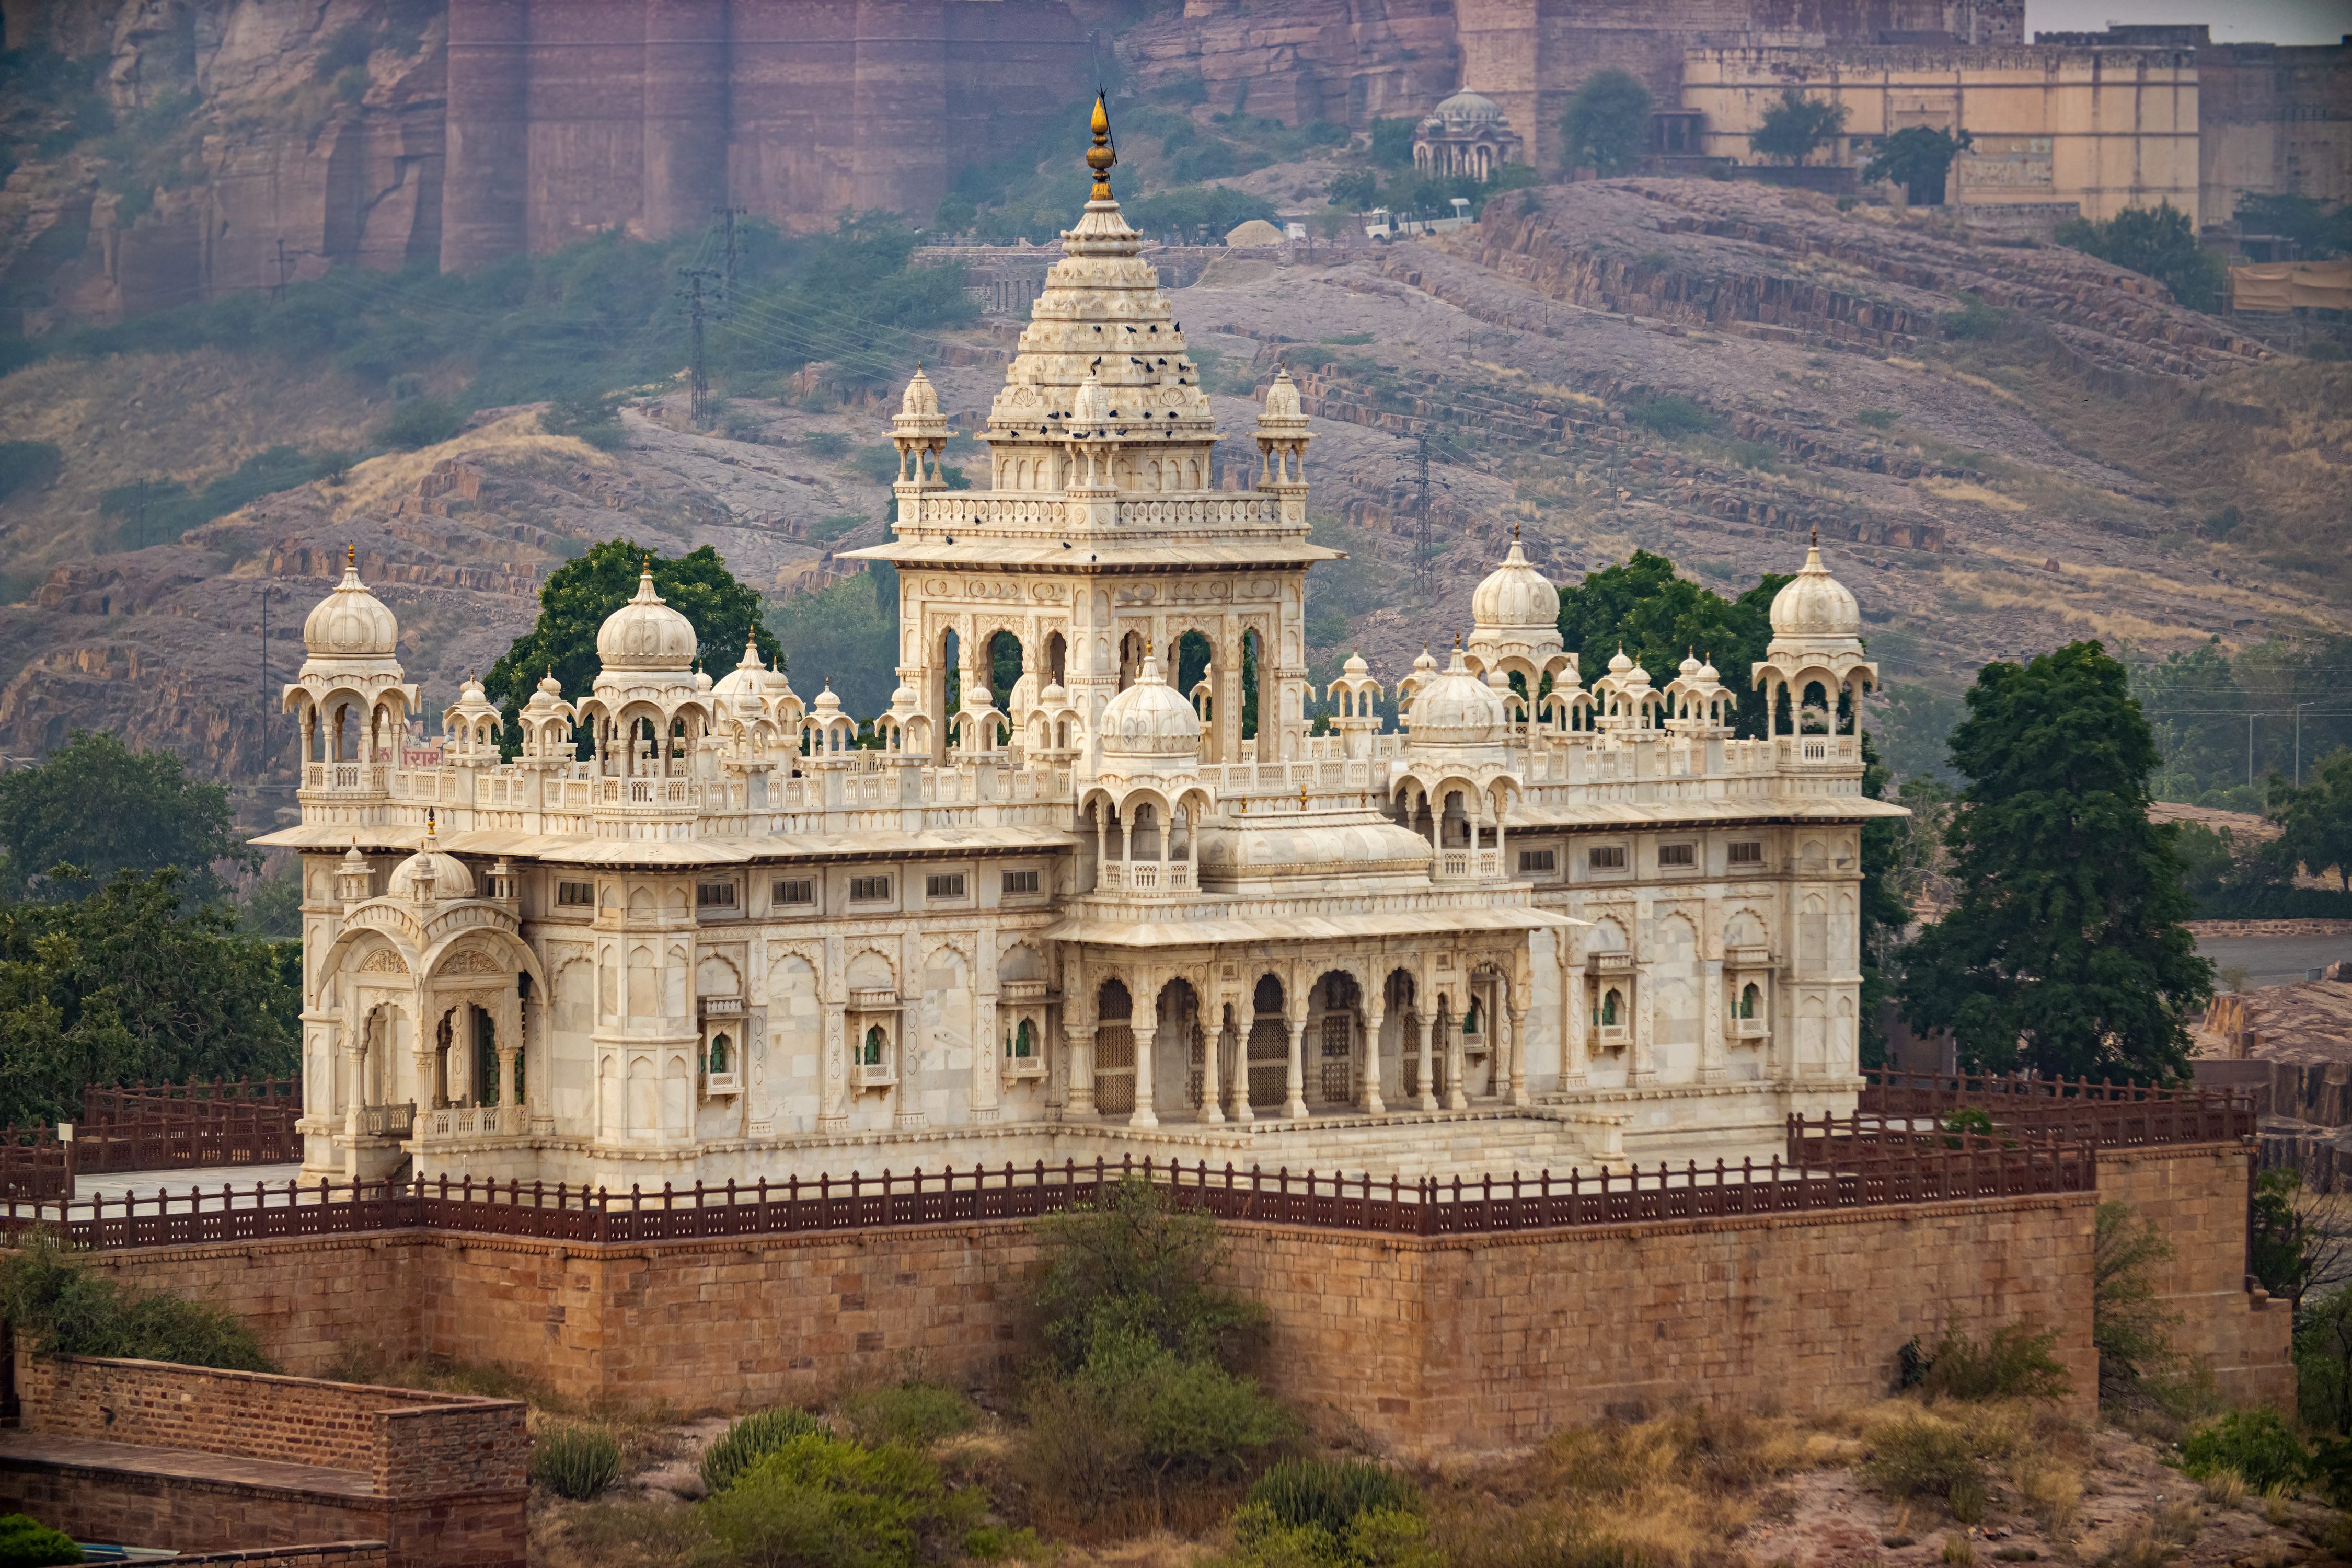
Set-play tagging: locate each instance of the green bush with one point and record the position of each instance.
(1330, 1492)
(1131, 1268)
(819, 1500)
(1914, 1457)
(1758, 455)
(2014, 1363)
(575, 1462)
(1673, 415)
(1974, 319)
(916, 1416)
(425, 422)
(750, 1439)
(50, 1296)
(26, 1542)
(2257, 1443)
(1377, 1538)
(1876, 418)
(26, 464)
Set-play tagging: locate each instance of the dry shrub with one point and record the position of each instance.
(616, 1533)
(2153, 1541)
(2278, 1505)
(1665, 1493)
(2225, 1488)
(1959, 1553)
(1919, 1455)
(2052, 1494)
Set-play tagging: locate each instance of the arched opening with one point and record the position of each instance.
(1179, 1053)
(1336, 1025)
(1814, 717)
(1268, 1049)
(1114, 1049)
(1004, 666)
(1130, 658)
(1194, 652)
(722, 1056)
(946, 681)
(1057, 659)
(874, 1050)
(1750, 1000)
(1609, 1012)
(1254, 674)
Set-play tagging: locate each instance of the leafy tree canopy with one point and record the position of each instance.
(2065, 953)
(1917, 158)
(582, 594)
(2314, 229)
(1797, 126)
(1606, 123)
(2316, 822)
(101, 807)
(847, 634)
(1658, 618)
(119, 987)
(1884, 913)
(2160, 241)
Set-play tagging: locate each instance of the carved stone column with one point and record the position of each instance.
(1425, 1082)
(1212, 1045)
(1519, 1056)
(1082, 1064)
(1455, 1099)
(1375, 1018)
(1142, 1024)
(833, 1095)
(1573, 1014)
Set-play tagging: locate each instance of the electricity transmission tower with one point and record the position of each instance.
(697, 307)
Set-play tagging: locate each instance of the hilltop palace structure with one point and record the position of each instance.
(1552, 922)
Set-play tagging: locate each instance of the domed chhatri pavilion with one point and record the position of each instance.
(1466, 134)
(1555, 919)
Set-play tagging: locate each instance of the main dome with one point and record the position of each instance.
(1150, 720)
(350, 622)
(1516, 597)
(1814, 603)
(1456, 709)
(647, 634)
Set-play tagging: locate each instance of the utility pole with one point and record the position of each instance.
(286, 259)
(698, 386)
(262, 763)
(727, 216)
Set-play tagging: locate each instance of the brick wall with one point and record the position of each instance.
(1454, 1343)
(2197, 1195)
(96, 1502)
(249, 1414)
(329, 1554)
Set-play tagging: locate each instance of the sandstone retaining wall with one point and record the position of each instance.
(1454, 1343)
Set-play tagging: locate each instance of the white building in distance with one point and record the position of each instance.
(1561, 918)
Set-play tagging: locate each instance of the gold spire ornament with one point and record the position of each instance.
(1102, 155)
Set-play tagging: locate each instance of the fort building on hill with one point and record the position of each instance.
(1560, 917)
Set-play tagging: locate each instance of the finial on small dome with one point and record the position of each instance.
(1102, 156)
(1817, 536)
(429, 824)
(351, 555)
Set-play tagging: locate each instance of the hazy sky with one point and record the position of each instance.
(2233, 21)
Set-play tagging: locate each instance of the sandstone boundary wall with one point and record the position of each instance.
(1458, 1343)
(202, 1460)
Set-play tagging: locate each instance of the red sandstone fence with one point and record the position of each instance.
(34, 1164)
(162, 1127)
(1430, 1207)
(2115, 1114)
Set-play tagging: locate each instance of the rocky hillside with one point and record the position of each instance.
(2003, 448)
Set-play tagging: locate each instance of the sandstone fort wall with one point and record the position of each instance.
(1472, 1342)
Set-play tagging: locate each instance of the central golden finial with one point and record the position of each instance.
(1102, 155)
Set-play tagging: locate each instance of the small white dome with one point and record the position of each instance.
(1282, 405)
(749, 676)
(826, 702)
(1053, 695)
(1467, 107)
(1355, 666)
(450, 877)
(1456, 709)
(1150, 720)
(350, 622)
(902, 700)
(922, 399)
(1618, 663)
(1814, 603)
(546, 699)
(1516, 598)
(647, 634)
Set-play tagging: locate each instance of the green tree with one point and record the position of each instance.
(1392, 142)
(848, 635)
(1352, 190)
(1658, 618)
(2316, 231)
(2065, 952)
(1606, 123)
(2314, 822)
(119, 987)
(1917, 158)
(582, 594)
(1798, 126)
(1884, 913)
(2196, 709)
(2130, 1327)
(100, 807)
(2160, 241)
